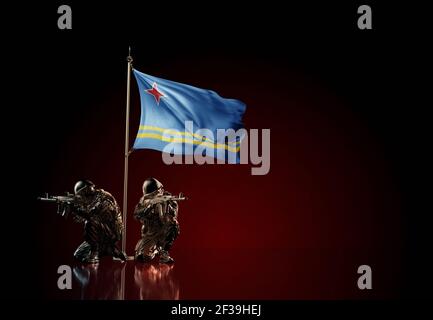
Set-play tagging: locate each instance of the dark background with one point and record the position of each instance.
(346, 133)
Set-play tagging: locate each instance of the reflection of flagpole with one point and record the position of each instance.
(125, 172)
(122, 282)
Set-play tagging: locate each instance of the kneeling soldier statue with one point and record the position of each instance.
(102, 219)
(157, 211)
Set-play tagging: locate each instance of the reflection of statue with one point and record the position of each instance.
(156, 281)
(100, 282)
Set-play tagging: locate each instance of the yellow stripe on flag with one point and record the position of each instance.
(184, 140)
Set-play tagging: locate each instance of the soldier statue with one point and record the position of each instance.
(157, 211)
(102, 223)
(102, 219)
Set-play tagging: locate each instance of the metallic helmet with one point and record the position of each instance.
(151, 185)
(82, 185)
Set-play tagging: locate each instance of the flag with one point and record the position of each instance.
(179, 118)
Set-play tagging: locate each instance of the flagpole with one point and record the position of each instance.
(125, 173)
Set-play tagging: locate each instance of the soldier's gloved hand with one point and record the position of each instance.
(64, 209)
(79, 211)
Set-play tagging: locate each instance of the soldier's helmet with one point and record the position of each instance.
(84, 186)
(151, 185)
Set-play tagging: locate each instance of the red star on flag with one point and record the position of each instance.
(155, 93)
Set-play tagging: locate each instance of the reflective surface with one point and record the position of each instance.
(100, 281)
(232, 274)
(110, 280)
(156, 281)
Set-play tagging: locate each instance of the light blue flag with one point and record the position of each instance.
(172, 114)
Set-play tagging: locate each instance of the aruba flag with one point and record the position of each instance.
(170, 111)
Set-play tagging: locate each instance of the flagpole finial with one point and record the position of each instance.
(129, 57)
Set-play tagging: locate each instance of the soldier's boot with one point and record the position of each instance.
(165, 257)
(93, 257)
(143, 258)
(117, 253)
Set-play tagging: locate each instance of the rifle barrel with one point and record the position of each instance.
(47, 199)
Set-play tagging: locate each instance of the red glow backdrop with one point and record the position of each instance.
(328, 204)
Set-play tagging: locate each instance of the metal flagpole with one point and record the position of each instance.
(125, 173)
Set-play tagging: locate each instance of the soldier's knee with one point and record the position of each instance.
(82, 251)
